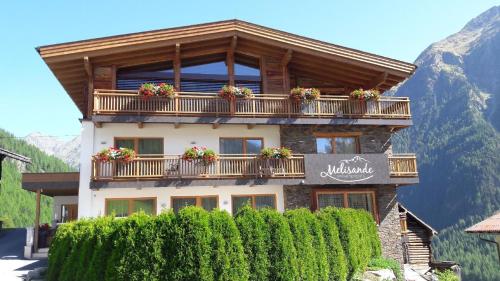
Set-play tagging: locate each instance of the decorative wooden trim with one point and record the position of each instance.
(377, 81)
(130, 203)
(177, 67)
(345, 192)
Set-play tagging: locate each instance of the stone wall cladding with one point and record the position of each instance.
(298, 196)
(301, 139)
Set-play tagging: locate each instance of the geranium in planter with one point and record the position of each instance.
(365, 95)
(113, 153)
(304, 94)
(147, 90)
(208, 156)
(275, 153)
(165, 90)
(231, 92)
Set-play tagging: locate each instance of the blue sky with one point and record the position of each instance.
(33, 100)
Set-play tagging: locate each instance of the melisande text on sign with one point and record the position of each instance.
(347, 168)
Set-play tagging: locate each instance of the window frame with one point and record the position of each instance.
(345, 193)
(130, 204)
(244, 139)
(136, 143)
(197, 197)
(333, 136)
(274, 195)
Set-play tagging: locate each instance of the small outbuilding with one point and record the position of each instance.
(489, 226)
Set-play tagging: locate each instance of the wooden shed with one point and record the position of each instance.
(416, 237)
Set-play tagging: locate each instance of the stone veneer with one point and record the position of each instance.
(301, 139)
(299, 196)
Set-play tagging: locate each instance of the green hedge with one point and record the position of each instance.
(199, 245)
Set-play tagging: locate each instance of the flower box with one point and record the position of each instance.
(299, 94)
(148, 90)
(118, 154)
(276, 153)
(365, 95)
(231, 92)
(207, 156)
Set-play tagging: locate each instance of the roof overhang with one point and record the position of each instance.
(490, 225)
(69, 61)
(412, 215)
(52, 184)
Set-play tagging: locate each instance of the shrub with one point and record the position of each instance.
(357, 237)
(104, 232)
(252, 230)
(80, 233)
(381, 263)
(336, 258)
(137, 250)
(59, 250)
(281, 251)
(228, 257)
(447, 275)
(303, 242)
(192, 240)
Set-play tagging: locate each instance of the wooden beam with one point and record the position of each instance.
(37, 220)
(140, 125)
(87, 66)
(177, 67)
(263, 73)
(251, 126)
(286, 58)
(377, 81)
(98, 124)
(177, 125)
(230, 60)
(215, 125)
(286, 73)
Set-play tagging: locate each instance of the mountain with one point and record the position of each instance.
(68, 151)
(455, 94)
(17, 206)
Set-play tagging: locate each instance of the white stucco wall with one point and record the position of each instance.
(91, 202)
(163, 195)
(188, 135)
(58, 202)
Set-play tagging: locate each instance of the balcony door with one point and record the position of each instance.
(247, 146)
(142, 146)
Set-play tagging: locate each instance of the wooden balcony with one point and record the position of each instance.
(173, 167)
(403, 165)
(116, 102)
(147, 167)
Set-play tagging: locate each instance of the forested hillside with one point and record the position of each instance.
(17, 206)
(455, 96)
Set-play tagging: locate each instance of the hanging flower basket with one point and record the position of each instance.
(304, 94)
(118, 154)
(148, 90)
(365, 95)
(207, 156)
(276, 153)
(231, 92)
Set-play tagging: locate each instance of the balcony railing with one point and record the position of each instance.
(403, 165)
(227, 166)
(206, 104)
(173, 166)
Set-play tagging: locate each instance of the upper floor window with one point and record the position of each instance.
(240, 145)
(337, 144)
(131, 78)
(142, 146)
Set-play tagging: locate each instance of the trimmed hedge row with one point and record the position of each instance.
(199, 245)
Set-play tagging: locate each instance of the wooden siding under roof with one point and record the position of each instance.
(72, 63)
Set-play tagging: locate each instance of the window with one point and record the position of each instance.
(142, 145)
(128, 206)
(337, 144)
(69, 212)
(131, 78)
(347, 199)
(206, 202)
(240, 145)
(254, 201)
(247, 73)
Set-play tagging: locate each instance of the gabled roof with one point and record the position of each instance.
(420, 221)
(352, 66)
(489, 225)
(15, 156)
